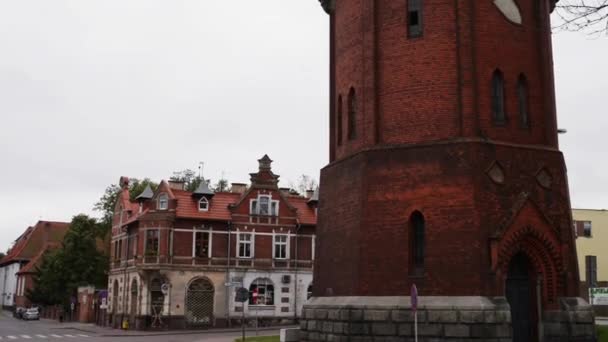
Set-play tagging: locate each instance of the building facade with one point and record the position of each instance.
(445, 173)
(591, 231)
(16, 268)
(178, 256)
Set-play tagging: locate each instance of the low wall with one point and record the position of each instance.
(359, 319)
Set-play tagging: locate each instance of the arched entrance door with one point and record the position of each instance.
(521, 294)
(157, 302)
(199, 303)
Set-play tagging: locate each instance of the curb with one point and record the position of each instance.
(191, 332)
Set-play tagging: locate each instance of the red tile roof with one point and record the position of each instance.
(29, 244)
(187, 206)
(30, 267)
(306, 213)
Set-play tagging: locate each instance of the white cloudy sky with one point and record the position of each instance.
(92, 90)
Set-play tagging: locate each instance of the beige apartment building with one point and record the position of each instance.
(591, 230)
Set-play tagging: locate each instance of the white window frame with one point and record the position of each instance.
(254, 206)
(250, 242)
(203, 200)
(276, 243)
(163, 198)
(264, 282)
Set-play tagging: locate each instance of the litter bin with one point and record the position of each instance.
(125, 324)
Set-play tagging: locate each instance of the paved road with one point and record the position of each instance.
(16, 330)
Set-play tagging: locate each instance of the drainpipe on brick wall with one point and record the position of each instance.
(228, 278)
(295, 301)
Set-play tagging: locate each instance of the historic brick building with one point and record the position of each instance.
(179, 256)
(445, 172)
(18, 266)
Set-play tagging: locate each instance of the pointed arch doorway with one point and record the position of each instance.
(521, 293)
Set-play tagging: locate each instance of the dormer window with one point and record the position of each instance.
(264, 206)
(203, 204)
(163, 202)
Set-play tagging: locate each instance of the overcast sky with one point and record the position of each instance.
(93, 90)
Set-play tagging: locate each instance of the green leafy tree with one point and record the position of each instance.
(2, 255)
(190, 178)
(221, 185)
(79, 262)
(107, 202)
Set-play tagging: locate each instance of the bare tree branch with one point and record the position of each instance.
(590, 16)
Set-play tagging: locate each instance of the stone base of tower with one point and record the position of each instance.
(471, 318)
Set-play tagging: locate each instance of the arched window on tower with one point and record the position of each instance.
(352, 114)
(498, 97)
(339, 121)
(522, 98)
(417, 232)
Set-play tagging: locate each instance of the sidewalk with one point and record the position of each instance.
(109, 332)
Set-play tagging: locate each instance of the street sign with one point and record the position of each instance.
(242, 295)
(414, 297)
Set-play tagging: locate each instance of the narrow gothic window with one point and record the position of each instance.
(339, 121)
(414, 18)
(352, 112)
(522, 97)
(498, 97)
(417, 228)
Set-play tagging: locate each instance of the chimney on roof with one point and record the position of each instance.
(238, 188)
(284, 191)
(309, 193)
(124, 182)
(177, 185)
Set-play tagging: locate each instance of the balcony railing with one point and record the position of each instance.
(220, 262)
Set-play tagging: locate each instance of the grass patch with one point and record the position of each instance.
(259, 339)
(602, 333)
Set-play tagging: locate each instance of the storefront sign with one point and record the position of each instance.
(598, 295)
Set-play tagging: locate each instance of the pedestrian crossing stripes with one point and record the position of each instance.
(74, 337)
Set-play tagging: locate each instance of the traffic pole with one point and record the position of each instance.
(243, 323)
(416, 326)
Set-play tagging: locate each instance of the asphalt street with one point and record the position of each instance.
(12, 329)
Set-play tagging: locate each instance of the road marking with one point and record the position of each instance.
(26, 336)
(12, 337)
(56, 336)
(83, 335)
(40, 336)
(68, 335)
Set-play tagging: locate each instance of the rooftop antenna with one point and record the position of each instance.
(201, 166)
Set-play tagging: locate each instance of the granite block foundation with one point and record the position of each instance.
(439, 319)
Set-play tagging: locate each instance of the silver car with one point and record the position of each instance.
(31, 314)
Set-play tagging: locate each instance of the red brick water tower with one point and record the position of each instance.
(444, 172)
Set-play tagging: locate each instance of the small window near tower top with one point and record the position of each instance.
(352, 114)
(416, 236)
(498, 98)
(522, 97)
(414, 18)
(339, 121)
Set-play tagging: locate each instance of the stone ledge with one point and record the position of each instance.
(403, 302)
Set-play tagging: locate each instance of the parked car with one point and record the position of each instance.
(31, 314)
(18, 313)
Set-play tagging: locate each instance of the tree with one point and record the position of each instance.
(2, 255)
(107, 202)
(190, 178)
(77, 263)
(583, 15)
(221, 185)
(305, 183)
